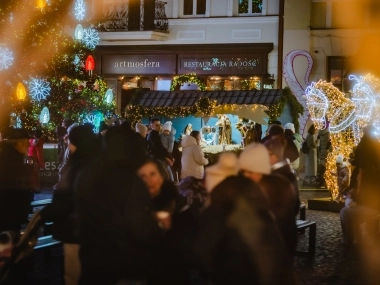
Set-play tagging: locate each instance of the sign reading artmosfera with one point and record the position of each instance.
(138, 64)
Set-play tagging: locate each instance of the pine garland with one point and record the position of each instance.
(187, 78)
(296, 108)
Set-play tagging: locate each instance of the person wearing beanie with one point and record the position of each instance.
(237, 230)
(225, 167)
(156, 148)
(141, 129)
(255, 163)
(342, 173)
(167, 137)
(291, 152)
(141, 135)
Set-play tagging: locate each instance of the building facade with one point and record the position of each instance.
(228, 44)
(341, 36)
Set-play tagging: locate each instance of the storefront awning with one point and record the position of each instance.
(153, 98)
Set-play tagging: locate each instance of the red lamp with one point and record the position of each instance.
(90, 64)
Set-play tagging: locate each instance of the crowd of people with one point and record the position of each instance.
(124, 219)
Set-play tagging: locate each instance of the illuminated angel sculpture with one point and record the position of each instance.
(347, 117)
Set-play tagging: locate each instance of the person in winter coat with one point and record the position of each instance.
(167, 136)
(238, 240)
(291, 152)
(142, 132)
(193, 159)
(84, 147)
(255, 164)
(342, 174)
(157, 150)
(311, 157)
(174, 215)
(36, 150)
(117, 231)
(15, 181)
(290, 133)
(323, 149)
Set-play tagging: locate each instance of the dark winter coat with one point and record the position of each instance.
(284, 203)
(15, 188)
(156, 149)
(238, 239)
(117, 230)
(174, 254)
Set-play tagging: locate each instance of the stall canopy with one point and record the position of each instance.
(248, 104)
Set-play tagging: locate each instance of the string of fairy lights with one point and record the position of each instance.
(46, 72)
(347, 117)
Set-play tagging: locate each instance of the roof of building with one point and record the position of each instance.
(153, 98)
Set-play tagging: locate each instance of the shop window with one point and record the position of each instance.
(194, 7)
(233, 83)
(337, 67)
(249, 7)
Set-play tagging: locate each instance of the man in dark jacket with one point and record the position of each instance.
(15, 186)
(156, 149)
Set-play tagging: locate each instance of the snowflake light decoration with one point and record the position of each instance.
(94, 118)
(79, 10)
(90, 38)
(39, 89)
(6, 58)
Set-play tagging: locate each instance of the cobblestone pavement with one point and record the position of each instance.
(332, 264)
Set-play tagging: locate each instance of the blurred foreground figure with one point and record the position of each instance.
(117, 229)
(238, 240)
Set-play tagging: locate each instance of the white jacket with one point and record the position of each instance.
(193, 158)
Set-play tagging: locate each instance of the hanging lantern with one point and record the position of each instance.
(79, 32)
(109, 96)
(20, 91)
(44, 115)
(40, 4)
(90, 64)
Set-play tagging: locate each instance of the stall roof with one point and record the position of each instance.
(153, 98)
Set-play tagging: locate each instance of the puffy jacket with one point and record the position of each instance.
(193, 158)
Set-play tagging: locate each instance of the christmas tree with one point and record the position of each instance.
(45, 74)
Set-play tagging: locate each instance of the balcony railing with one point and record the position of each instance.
(125, 15)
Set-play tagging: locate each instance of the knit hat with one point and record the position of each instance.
(276, 145)
(339, 159)
(255, 158)
(225, 167)
(81, 136)
(167, 126)
(290, 126)
(141, 129)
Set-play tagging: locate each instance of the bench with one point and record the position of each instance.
(301, 226)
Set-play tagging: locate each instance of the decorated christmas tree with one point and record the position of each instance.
(46, 74)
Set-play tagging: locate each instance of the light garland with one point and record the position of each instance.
(187, 78)
(347, 117)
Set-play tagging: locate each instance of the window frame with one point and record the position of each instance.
(195, 15)
(263, 3)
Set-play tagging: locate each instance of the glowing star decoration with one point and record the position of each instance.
(39, 89)
(94, 118)
(109, 96)
(6, 58)
(78, 32)
(79, 9)
(90, 38)
(44, 115)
